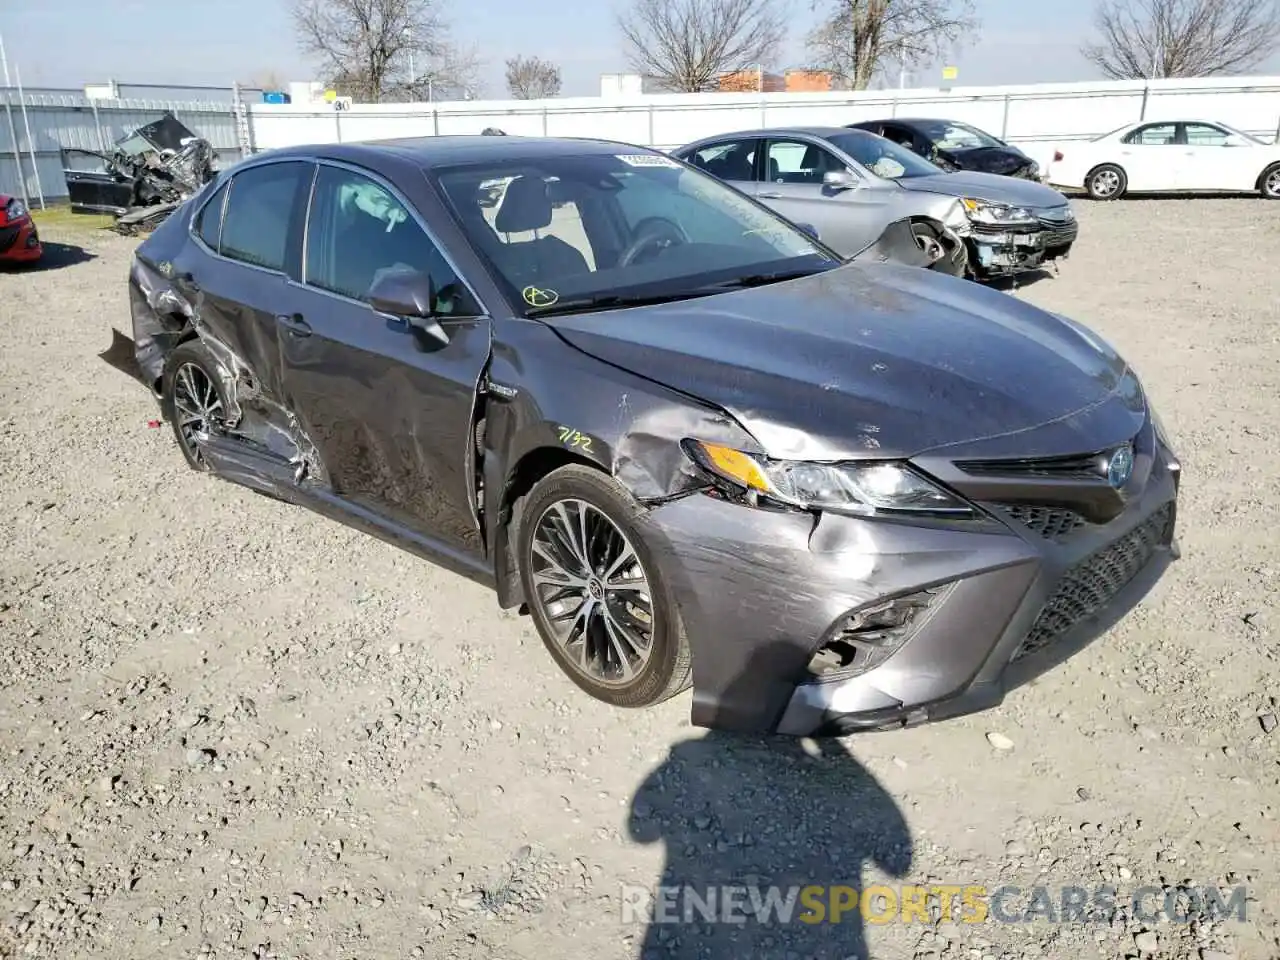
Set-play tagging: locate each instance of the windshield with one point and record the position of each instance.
(949, 135)
(1240, 133)
(564, 231)
(883, 157)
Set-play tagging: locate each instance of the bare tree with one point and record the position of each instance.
(687, 45)
(374, 50)
(1182, 38)
(857, 37)
(529, 78)
(266, 80)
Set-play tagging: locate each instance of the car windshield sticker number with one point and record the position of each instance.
(647, 160)
(538, 297)
(573, 438)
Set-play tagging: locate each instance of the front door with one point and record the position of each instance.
(389, 408)
(848, 220)
(1211, 163)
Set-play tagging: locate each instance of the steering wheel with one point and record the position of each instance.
(652, 233)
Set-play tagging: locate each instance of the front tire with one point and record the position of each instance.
(599, 601)
(1269, 182)
(193, 399)
(1107, 182)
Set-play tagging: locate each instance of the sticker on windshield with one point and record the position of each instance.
(538, 297)
(647, 160)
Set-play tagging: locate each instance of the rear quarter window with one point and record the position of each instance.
(260, 208)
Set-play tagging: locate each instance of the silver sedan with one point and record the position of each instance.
(850, 184)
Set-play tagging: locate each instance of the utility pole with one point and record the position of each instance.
(407, 33)
(13, 131)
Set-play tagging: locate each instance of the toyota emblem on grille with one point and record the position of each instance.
(1120, 466)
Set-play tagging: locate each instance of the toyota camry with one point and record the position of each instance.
(697, 447)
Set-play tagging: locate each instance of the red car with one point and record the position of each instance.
(19, 240)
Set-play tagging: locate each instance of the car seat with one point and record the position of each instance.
(526, 208)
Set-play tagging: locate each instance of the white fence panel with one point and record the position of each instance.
(1036, 117)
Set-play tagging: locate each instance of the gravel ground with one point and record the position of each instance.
(230, 728)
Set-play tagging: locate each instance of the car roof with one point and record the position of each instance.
(436, 151)
(812, 131)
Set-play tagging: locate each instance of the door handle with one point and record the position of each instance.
(769, 196)
(294, 323)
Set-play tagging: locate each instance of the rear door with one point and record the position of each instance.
(847, 219)
(235, 270)
(1152, 158)
(389, 409)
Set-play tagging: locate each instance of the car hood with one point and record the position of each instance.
(987, 186)
(998, 160)
(877, 360)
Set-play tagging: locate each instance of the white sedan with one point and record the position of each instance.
(1184, 156)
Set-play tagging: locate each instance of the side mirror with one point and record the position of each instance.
(810, 229)
(408, 296)
(1234, 141)
(839, 180)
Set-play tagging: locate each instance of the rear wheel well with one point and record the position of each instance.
(1265, 170)
(186, 332)
(530, 468)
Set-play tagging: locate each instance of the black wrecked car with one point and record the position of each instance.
(693, 444)
(953, 146)
(147, 174)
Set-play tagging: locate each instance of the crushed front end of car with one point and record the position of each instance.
(146, 176)
(1014, 240)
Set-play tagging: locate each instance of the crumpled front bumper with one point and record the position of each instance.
(759, 590)
(1008, 251)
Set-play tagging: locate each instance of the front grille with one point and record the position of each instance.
(1059, 237)
(1087, 466)
(1052, 523)
(7, 236)
(1094, 582)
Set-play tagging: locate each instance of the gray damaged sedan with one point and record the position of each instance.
(850, 183)
(695, 445)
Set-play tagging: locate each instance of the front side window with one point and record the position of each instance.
(883, 157)
(255, 226)
(795, 161)
(1204, 135)
(358, 230)
(596, 225)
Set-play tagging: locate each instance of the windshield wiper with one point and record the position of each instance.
(762, 279)
(612, 301)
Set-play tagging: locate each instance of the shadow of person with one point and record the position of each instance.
(764, 814)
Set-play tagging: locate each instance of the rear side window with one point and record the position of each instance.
(255, 226)
(209, 220)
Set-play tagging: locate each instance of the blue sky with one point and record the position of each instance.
(72, 42)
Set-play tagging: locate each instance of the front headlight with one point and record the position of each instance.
(867, 489)
(15, 209)
(996, 214)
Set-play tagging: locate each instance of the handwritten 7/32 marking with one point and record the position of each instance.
(574, 438)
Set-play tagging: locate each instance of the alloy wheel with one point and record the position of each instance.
(593, 592)
(1106, 183)
(1272, 184)
(196, 405)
